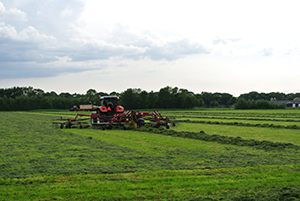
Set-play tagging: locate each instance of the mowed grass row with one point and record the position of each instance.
(256, 133)
(249, 121)
(41, 162)
(32, 146)
(246, 132)
(290, 112)
(249, 183)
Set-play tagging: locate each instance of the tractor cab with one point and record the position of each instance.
(110, 105)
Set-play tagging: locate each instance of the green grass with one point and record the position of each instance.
(41, 162)
(155, 185)
(257, 133)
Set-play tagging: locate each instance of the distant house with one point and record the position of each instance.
(289, 103)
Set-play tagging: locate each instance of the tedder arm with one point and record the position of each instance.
(128, 117)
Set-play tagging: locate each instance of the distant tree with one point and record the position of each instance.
(28, 98)
(114, 93)
(91, 92)
(241, 103)
(232, 101)
(152, 100)
(207, 97)
(143, 101)
(51, 94)
(258, 104)
(214, 103)
(128, 99)
(91, 97)
(65, 95)
(4, 103)
(165, 97)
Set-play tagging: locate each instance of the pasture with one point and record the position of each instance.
(209, 155)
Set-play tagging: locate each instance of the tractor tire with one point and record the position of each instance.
(140, 122)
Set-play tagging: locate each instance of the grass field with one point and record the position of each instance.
(209, 155)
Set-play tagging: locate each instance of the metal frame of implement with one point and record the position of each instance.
(130, 118)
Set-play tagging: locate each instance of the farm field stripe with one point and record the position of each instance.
(36, 148)
(242, 124)
(237, 118)
(256, 133)
(266, 145)
(226, 183)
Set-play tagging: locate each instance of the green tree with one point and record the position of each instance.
(241, 103)
(165, 97)
(207, 97)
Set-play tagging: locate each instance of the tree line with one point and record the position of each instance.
(28, 98)
(257, 104)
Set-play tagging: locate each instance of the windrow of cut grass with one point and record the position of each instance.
(195, 117)
(184, 152)
(284, 113)
(285, 125)
(239, 141)
(31, 146)
(255, 133)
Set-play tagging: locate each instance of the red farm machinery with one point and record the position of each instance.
(110, 114)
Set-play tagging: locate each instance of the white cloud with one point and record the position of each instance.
(13, 13)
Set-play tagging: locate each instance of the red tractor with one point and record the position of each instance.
(110, 113)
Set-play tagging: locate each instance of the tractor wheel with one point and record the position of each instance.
(173, 124)
(67, 126)
(167, 126)
(103, 127)
(124, 127)
(140, 122)
(61, 126)
(80, 126)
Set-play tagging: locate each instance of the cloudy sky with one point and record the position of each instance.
(228, 46)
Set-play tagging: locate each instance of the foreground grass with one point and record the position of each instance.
(157, 185)
(40, 162)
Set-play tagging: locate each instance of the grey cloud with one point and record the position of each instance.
(153, 47)
(10, 70)
(47, 33)
(27, 45)
(174, 50)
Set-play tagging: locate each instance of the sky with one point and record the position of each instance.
(213, 46)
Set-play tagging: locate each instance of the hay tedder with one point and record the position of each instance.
(110, 113)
